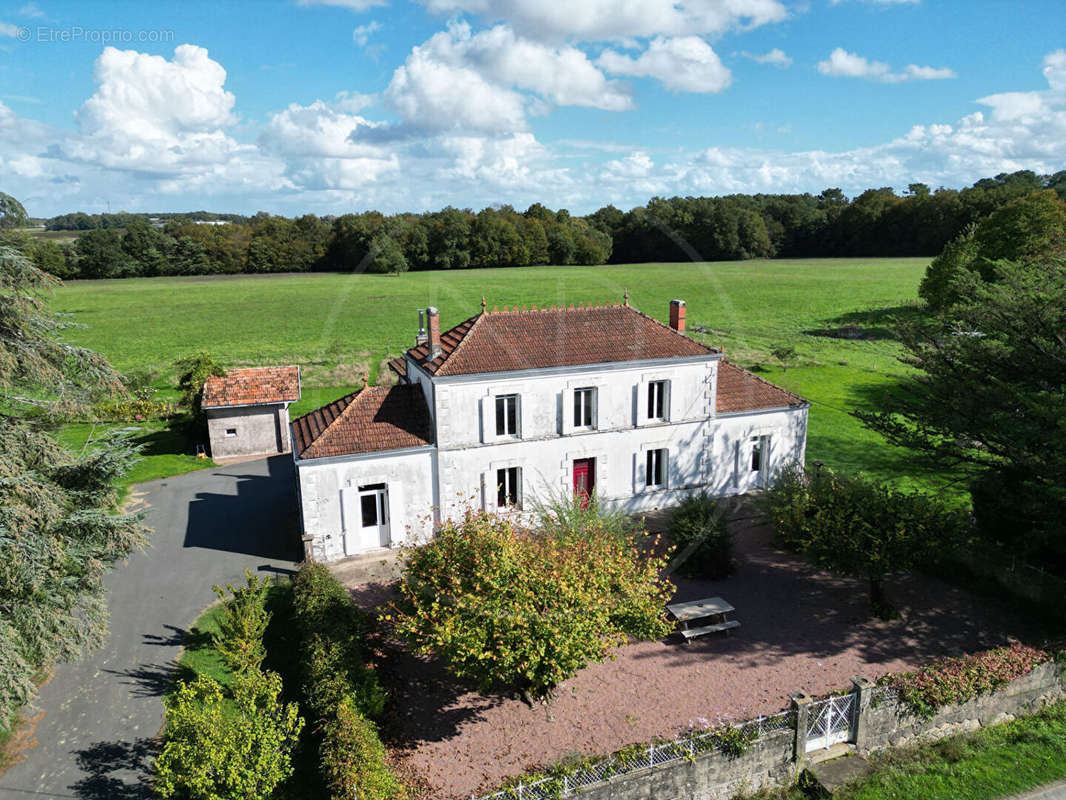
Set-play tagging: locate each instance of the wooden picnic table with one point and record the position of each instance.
(711, 607)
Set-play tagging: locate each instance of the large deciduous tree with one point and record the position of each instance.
(989, 396)
(12, 213)
(59, 533)
(1027, 229)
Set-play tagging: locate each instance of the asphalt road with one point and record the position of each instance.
(1054, 791)
(101, 713)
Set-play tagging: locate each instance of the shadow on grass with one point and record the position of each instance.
(116, 771)
(868, 325)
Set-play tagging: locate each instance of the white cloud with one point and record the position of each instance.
(430, 93)
(775, 57)
(916, 73)
(603, 20)
(843, 64)
(361, 35)
(352, 5)
(683, 63)
(30, 10)
(491, 80)
(7, 29)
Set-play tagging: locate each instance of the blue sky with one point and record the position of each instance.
(332, 106)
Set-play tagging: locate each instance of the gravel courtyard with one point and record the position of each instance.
(801, 630)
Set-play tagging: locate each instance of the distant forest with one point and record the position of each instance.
(877, 222)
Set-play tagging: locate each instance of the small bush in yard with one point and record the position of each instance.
(524, 607)
(219, 748)
(957, 680)
(704, 545)
(353, 758)
(244, 620)
(854, 526)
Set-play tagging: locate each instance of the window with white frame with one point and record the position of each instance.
(657, 401)
(585, 408)
(509, 487)
(507, 415)
(655, 469)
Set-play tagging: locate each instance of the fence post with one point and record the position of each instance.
(864, 689)
(801, 703)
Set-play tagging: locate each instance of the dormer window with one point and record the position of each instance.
(507, 415)
(585, 408)
(657, 401)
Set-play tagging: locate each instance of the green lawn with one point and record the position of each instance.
(995, 762)
(338, 327)
(165, 448)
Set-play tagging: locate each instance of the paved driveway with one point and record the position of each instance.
(100, 713)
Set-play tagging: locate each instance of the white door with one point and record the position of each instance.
(374, 516)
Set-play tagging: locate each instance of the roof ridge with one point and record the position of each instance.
(474, 320)
(674, 331)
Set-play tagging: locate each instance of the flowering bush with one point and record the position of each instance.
(525, 607)
(956, 680)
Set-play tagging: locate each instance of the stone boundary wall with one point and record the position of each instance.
(891, 723)
(710, 776)
(776, 758)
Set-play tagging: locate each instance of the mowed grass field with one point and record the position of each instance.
(341, 326)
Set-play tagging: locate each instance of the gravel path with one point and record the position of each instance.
(801, 630)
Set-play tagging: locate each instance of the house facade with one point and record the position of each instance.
(248, 411)
(508, 409)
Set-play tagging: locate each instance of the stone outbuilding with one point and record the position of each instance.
(248, 411)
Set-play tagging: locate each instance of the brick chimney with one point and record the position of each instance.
(434, 332)
(677, 315)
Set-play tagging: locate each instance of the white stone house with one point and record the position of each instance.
(248, 411)
(510, 407)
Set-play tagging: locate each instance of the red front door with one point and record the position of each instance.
(584, 479)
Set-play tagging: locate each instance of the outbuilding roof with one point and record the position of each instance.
(517, 339)
(252, 387)
(373, 419)
(740, 390)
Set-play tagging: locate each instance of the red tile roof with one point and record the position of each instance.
(373, 419)
(499, 341)
(740, 390)
(251, 387)
(399, 366)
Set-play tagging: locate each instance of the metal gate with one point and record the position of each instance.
(830, 721)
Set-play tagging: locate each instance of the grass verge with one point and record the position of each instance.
(994, 762)
(166, 449)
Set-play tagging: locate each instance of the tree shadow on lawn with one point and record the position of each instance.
(787, 608)
(868, 324)
(116, 771)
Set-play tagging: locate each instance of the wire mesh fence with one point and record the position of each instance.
(684, 748)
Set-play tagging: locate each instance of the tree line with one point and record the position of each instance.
(878, 222)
